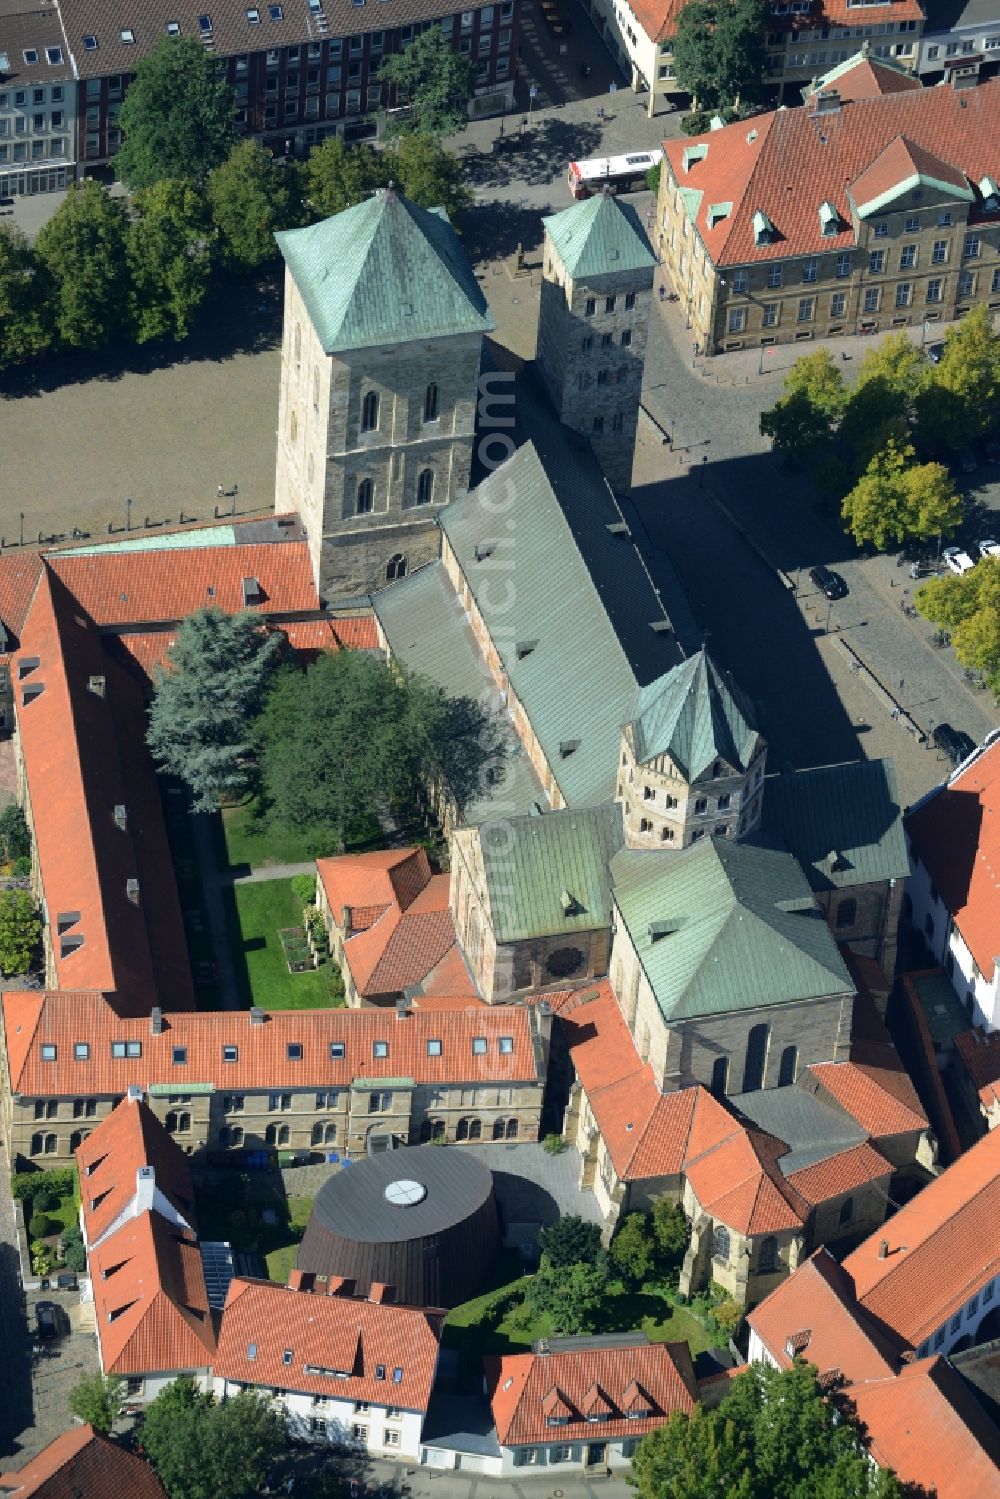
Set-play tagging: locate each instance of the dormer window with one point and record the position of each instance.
(829, 218)
(764, 232)
(90, 43)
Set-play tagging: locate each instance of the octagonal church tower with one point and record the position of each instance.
(597, 286)
(380, 357)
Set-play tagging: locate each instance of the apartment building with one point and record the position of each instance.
(964, 36)
(848, 215)
(300, 69)
(37, 101)
(308, 1081)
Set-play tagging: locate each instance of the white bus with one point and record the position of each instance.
(623, 174)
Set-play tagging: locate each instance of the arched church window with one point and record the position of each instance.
(369, 411)
(425, 486)
(395, 567)
(366, 496)
(431, 403)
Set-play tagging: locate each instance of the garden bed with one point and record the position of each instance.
(298, 953)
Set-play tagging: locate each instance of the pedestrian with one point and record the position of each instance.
(236, 490)
(220, 492)
(600, 114)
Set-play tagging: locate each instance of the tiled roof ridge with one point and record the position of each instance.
(898, 1259)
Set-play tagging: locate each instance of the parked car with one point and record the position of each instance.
(66, 1281)
(828, 582)
(967, 461)
(953, 743)
(957, 560)
(989, 548)
(47, 1319)
(934, 352)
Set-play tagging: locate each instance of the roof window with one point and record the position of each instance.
(506, 1045)
(81, 1051)
(380, 1049)
(180, 1056)
(276, 12)
(479, 1046)
(397, 1375)
(434, 1048)
(286, 1357)
(53, 56)
(127, 35)
(49, 1051)
(294, 1051)
(172, 28)
(251, 1351)
(121, 1049)
(253, 16)
(230, 1053)
(90, 43)
(30, 56)
(380, 1371)
(336, 1051)
(205, 27)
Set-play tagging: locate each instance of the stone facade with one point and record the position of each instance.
(663, 809)
(591, 349)
(866, 917)
(371, 444)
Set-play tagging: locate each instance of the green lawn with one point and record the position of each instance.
(233, 1210)
(256, 913)
(251, 841)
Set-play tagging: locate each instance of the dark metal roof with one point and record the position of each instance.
(353, 1204)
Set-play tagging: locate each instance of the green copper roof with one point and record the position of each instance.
(384, 272)
(600, 235)
(842, 822)
(694, 715)
(724, 926)
(548, 875)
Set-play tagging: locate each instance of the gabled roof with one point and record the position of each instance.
(940, 1248)
(128, 1141)
(696, 716)
(532, 864)
(814, 1314)
(864, 77)
(373, 881)
(150, 1300)
(384, 272)
(598, 235)
(753, 163)
(927, 1426)
(82, 1464)
(842, 822)
(901, 167)
(956, 832)
(528, 1390)
(723, 926)
(262, 1323)
(882, 1099)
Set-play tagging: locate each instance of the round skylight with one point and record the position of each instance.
(405, 1194)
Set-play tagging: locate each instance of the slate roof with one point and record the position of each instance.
(696, 716)
(942, 1248)
(812, 1129)
(559, 651)
(427, 632)
(525, 1389)
(82, 1464)
(956, 832)
(743, 929)
(752, 164)
(384, 271)
(842, 822)
(532, 863)
(261, 1320)
(600, 235)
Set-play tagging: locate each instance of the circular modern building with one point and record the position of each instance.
(423, 1221)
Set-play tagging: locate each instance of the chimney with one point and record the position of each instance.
(827, 102)
(132, 891)
(403, 1008)
(379, 1292)
(156, 1021)
(134, 1093)
(297, 1279)
(883, 1249)
(96, 686)
(145, 1185)
(256, 1015)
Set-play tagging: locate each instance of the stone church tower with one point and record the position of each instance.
(692, 760)
(380, 358)
(597, 285)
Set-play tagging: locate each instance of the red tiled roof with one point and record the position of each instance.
(783, 166)
(815, 1310)
(981, 1055)
(109, 1160)
(121, 588)
(262, 1062)
(901, 160)
(525, 1388)
(956, 832)
(926, 1426)
(356, 632)
(942, 1247)
(868, 77)
(882, 1099)
(841, 1173)
(449, 979)
(19, 575)
(82, 1464)
(150, 1301)
(377, 879)
(83, 756)
(327, 1333)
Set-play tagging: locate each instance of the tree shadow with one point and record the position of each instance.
(530, 154)
(236, 318)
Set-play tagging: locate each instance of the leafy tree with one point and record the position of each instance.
(82, 249)
(427, 173)
(41, 1226)
(804, 419)
(20, 931)
(206, 699)
(26, 1186)
(169, 260)
(304, 888)
(435, 80)
(774, 1436)
(98, 1399)
(963, 400)
(251, 196)
(177, 116)
(206, 1451)
(340, 739)
(14, 835)
(570, 1296)
(337, 176)
(633, 1249)
(969, 607)
(73, 1252)
(671, 1231)
(896, 499)
(719, 55)
(25, 323)
(570, 1241)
